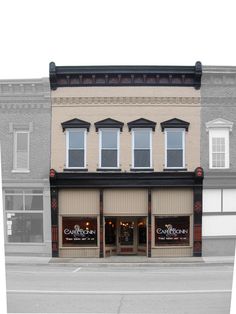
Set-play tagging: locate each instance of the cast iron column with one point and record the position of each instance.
(101, 251)
(197, 212)
(149, 248)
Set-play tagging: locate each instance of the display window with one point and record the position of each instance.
(79, 231)
(172, 230)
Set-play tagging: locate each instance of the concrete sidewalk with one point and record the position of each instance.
(119, 261)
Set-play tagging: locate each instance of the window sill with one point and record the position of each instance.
(175, 169)
(108, 169)
(75, 169)
(142, 169)
(20, 171)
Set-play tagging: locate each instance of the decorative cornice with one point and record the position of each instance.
(174, 123)
(109, 123)
(142, 123)
(76, 123)
(71, 76)
(24, 106)
(125, 100)
(23, 87)
(219, 124)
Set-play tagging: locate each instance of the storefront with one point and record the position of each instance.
(163, 219)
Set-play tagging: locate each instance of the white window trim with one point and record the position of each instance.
(150, 147)
(15, 169)
(118, 147)
(67, 147)
(183, 141)
(219, 132)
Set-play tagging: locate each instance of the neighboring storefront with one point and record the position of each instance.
(218, 158)
(125, 155)
(25, 114)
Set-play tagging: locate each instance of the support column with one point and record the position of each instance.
(101, 251)
(149, 229)
(197, 213)
(54, 221)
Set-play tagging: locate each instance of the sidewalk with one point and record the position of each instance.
(119, 261)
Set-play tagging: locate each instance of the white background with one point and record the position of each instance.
(124, 32)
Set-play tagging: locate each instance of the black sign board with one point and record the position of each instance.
(173, 230)
(79, 231)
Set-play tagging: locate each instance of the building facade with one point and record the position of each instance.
(25, 116)
(125, 156)
(218, 158)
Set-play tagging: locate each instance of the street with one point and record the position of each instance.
(178, 289)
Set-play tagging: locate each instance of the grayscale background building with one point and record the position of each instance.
(218, 159)
(25, 114)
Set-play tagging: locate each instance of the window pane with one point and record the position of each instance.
(142, 139)
(33, 202)
(22, 160)
(218, 160)
(25, 227)
(109, 158)
(22, 142)
(141, 158)
(218, 144)
(109, 139)
(174, 139)
(76, 158)
(172, 231)
(110, 231)
(14, 202)
(175, 158)
(79, 231)
(76, 139)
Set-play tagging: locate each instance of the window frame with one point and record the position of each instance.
(219, 133)
(15, 168)
(117, 148)
(150, 146)
(183, 148)
(84, 130)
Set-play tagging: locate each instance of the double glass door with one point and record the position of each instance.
(127, 236)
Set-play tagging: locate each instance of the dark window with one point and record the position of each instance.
(79, 231)
(110, 231)
(173, 230)
(25, 227)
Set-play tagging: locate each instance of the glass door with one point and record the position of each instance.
(127, 236)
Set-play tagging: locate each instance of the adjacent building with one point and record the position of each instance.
(218, 158)
(25, 117)
(125, 161)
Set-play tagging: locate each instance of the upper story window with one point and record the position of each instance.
(175, 130)
(109, 143)
(21, 151)
(76, 131)
(142, 143)
(109, 148)
(174, 151)
(142, 148)
(75, 139)
(219, 143)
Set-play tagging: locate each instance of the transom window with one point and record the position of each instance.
(76, 147)
(142, 148)
(109, 148)
(21, 150)
(174, 139)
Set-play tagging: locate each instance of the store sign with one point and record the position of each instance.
(172, 230)
(79, 231)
